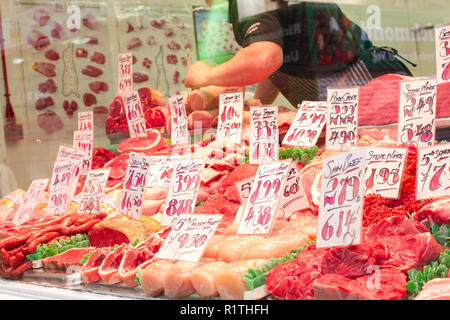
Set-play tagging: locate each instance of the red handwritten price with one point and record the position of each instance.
(264, 135)
(179, 133)
(433, 179)
(93, 190)
(33, 194)
(135, 115)
(125, 83)
(85, 121)
(442, 54)
(231, 107)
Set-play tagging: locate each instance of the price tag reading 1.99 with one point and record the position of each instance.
(262, 205)
(433, 172)
(135, 115)
(134, 185)
(183, 190)
(264, 143)
(442, 54)
(189, 236)
(125, 72)
(341, 200)
(93, 190)
(60, 186)
(32, 196)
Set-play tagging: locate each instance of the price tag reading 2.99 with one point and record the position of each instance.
(341, 200)
(134, 185)
(135, 116)
(125, 72)
(264, 135)
(183, 190)
(262, 205)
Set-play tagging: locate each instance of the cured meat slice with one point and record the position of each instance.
(98, 86)
(63, 261)
(109, 269)
(152, 277)
(41, 17)
(52, 55)
(98, 57)
(90, 22)
(89, 99)
(134, 43)
(44, 102)
(50, 122)
(45, 68)
(203, 277)
(48, 86)
(229, 281)
(177, 280)
(89, 271)
(139, 77)
(92, 71)
(153, 142)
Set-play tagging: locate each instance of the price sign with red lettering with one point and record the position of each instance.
(125, 73)
(179, 129)
(341, 200)
(264, 139)
(442, 54)
(189, 237)
(60, 186)
(93, 190)
(86, 121)
(32, 196)
(384, 171)
(134, 185)
(161, 168)
(231, 108)
(417, 113)
(77, 155)
(261, 209)
(433, 172)
(244, 187)
(307, 125)
(135, 115)
(294, 197)
(183, 190)
(84, 140)
(342, 118)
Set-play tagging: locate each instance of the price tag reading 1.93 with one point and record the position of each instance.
(264, 143)
(135, 115)
(341, 200)
(32, 196)
(189, 236)
(183, 190)
(125, 72)
(442, 54)
(262, 205)
(433, 172)
(93, 190)
(60, 186)
(134, 185)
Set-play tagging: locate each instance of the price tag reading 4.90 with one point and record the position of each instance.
(442, 54)
(183, 190)
(231, 107)
(433, 172)
(264, 143)
(93, 190)
(261, 208)
(134, 185)
(60, 186)
(308, 124)
(135, 116)
(125, 72)
(189, 236)
(417, 113)
(342, 118)
(179, 130)
(32, 196)
(341, 200)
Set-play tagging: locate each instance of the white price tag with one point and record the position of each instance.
(442, 54)
(417, 113)
(183, 190)
(84, 140)
(179, 129)
(93, 190)
(125, 68)
(60, 186)
(294, 197)
(307, 125)
(189, 237)
(341, 200)
(134, 185)
(135, 115)
(161, 168)
(384, 171)
(32, 196)
(231, 108)
(342, 118)
(86, 121)
(77, 155)
(261, 208)
(244, 188)
(433, 172)
(264, 139)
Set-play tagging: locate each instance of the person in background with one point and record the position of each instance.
(297, 49)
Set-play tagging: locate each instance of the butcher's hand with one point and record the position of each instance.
(197, 75)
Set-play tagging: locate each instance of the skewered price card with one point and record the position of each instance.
(60, 186)
(32, 196)
(134, 185)
(342, 118)
(384, 171)
(307, 125)
(86, 121)
(264, 143)
(442, 54)
(433, 172)
(161, 168)
(189, 236)
(341, 200)
(261, 208)
(183, 190)
(93, 190)
(231, 107)
(244, 187)
(77, 155)
(294, 196)
(125, 73)
(179, 131)
(417, 113)
(83, 140)
(135, 115)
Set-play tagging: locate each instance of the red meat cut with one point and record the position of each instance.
(437, 211)
(134, 43)
(116, 108)
(92, 71)
(62, 261)
(101, 156)
(90, 21)
(98, 57)
(156, 117)
(98, 86)
(38, 40)
(89, 271)
(41, 17)
(52, 55)
(48, 86)
(118, 166)
(89, 99)
(44, 102)
(45, 68)
(139, 77)
(50, 122)
(351, 262)
(109, 269)
(152, 143)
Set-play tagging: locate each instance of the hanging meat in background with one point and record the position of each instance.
(38, 40)
(44, 102)
(98, 86)
(48, 86)
(50, 122)
(41, 17)
(70, 107)
(98, 58)
(52, 55)
(45, 68)
(147, 63)
(116, 108)
(176, 77)
(169, 33)
(89, 99)
(92, 71)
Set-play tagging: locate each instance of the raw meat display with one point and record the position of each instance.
(70, 259)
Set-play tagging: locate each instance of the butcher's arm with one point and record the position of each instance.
(266, 92)
(250, 65)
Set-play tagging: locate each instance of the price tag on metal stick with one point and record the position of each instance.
(32, 196)
(125, 73)
(93, 190)
(442, 54)
(231, 108)
(264, 139)
(341, 200)
(135, 115)
(60, 186)
(189, 237)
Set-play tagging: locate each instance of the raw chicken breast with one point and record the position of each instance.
(152, 277)
(232, 247)
(177, 280)
(213, 246)
(202, 278)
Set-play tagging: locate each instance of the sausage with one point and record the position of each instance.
(40, 233)
(43, 239)
(83, 228)
(17, 272)
(14, 241)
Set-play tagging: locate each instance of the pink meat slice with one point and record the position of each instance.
(109, 269)
(89, 271)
